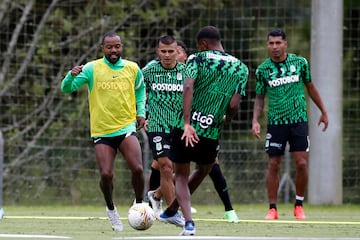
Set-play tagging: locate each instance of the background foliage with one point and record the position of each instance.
(48, 152)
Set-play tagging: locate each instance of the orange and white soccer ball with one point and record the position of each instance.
(141, 216)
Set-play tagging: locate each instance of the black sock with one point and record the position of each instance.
(169, 212)
(220, 185)
(154, 181)
(298, 202)
(272, 205)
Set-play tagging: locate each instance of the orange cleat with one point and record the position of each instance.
(272, 214)
(299, 213)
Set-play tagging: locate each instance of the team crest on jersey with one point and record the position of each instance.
(292, 68)
(179, 76)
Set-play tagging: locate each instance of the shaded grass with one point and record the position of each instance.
(89, 222)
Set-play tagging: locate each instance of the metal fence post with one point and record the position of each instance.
(1, 174)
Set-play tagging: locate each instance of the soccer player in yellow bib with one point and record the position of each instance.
(116, 95)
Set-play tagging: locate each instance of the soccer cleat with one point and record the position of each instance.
(176, 219)
(299, 213)
(188, 230)
(231, 216)
(155, 204)
(272, 214)
(114, 219)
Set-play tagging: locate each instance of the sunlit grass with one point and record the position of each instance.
(89, 222)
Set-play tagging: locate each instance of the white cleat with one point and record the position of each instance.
(155, 204)
(114, 219)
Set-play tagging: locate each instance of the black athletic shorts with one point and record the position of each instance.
(297, 134)
(113, 142)
(159, 144)
(203, 152)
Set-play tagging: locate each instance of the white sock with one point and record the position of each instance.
(299, 198)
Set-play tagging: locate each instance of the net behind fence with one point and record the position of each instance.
(48, 155)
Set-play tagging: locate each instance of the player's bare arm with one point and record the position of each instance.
(233, 107)
(315, 96)
(189, 132)
(258, 108)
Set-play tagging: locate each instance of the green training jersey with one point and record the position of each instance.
(283, 83)
(164, 88)
(217, 76)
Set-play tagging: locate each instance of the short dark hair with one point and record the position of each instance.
(208, 32)
(110, 34)
(277, 32)
(182, 44)
(166, 39)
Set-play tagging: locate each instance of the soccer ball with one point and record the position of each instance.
(141, 216)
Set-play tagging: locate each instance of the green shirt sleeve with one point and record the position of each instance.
(140, 94)
(72, 83)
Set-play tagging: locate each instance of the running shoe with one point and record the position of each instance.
(231, 216)
(114, 219)
(155, 204)
(176, 219)
(189, 229)
(272, 214)
(299, 213)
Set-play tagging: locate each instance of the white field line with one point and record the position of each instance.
(17, 236)
(228, 237)
(195, 219)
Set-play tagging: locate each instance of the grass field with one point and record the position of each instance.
(89, 222)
